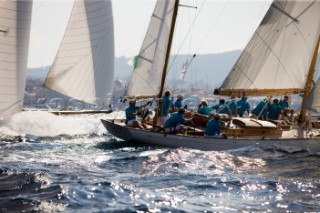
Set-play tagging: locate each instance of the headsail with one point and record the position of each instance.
(277, 59)
(146, 78)
(15, 22)
(313, 101)
(84, 66)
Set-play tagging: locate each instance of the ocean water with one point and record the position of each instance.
(71, 164)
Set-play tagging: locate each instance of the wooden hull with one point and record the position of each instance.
(205, 143)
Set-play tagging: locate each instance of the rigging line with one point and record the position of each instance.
(122, 102)
(186, 36)
(175, 69)
(213, 25)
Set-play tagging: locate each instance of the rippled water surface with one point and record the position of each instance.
(71, 164)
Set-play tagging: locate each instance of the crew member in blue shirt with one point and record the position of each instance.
(213, 127)
(131, 115)
(274, 110)
(286, 110)
(173, 123)
(233, 106)
(243, 106)
(204, 109)
(178, 103)
(262, 106)
(222, 108)
(165, 106)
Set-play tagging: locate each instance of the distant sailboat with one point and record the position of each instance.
(15, 23)
(84, 65)
(279, 59)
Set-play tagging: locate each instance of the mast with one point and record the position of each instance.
(164, 72)
(173, 23)
(308, 86)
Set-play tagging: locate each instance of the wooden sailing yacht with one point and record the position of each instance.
(15, 23)
(83, 68)
(277, 61)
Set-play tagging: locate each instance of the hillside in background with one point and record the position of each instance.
(209, 68)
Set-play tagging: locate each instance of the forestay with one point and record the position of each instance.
(313, 101)
(145, 80)
(15, 22)
(84, 66)
(277, 59)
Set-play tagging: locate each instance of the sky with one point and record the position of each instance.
(214, 26)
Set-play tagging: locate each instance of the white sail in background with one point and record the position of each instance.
(146, 77)
(15, 23)
(84, 66)
(278, 56)
(313, 100)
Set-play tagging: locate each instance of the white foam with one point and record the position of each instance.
(40, 123)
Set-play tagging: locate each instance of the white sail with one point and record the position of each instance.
(278, 56)
(145, 80)
(15, 22)
(313, 100)
(84, 65)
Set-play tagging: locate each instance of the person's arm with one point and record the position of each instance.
(230, 112)
(133, 114)
(248, 108)
(146, 104)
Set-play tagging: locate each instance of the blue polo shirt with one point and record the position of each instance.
(175, 119)
(233, 106)
(178, 104)
(131, 111)
(204, 110)
(242, 106)
(221, 108)
(284, 104)
(166, 105)
(213, 127)
(274, 110)
(257, 110)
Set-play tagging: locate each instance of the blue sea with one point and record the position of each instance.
(72, 164)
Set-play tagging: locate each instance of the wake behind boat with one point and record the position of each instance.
(280, 59)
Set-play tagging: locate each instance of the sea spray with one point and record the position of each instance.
(45, 124)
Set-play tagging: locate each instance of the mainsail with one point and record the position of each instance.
(146, 78)
(15, 22)
(84, 65)
(276, 61)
